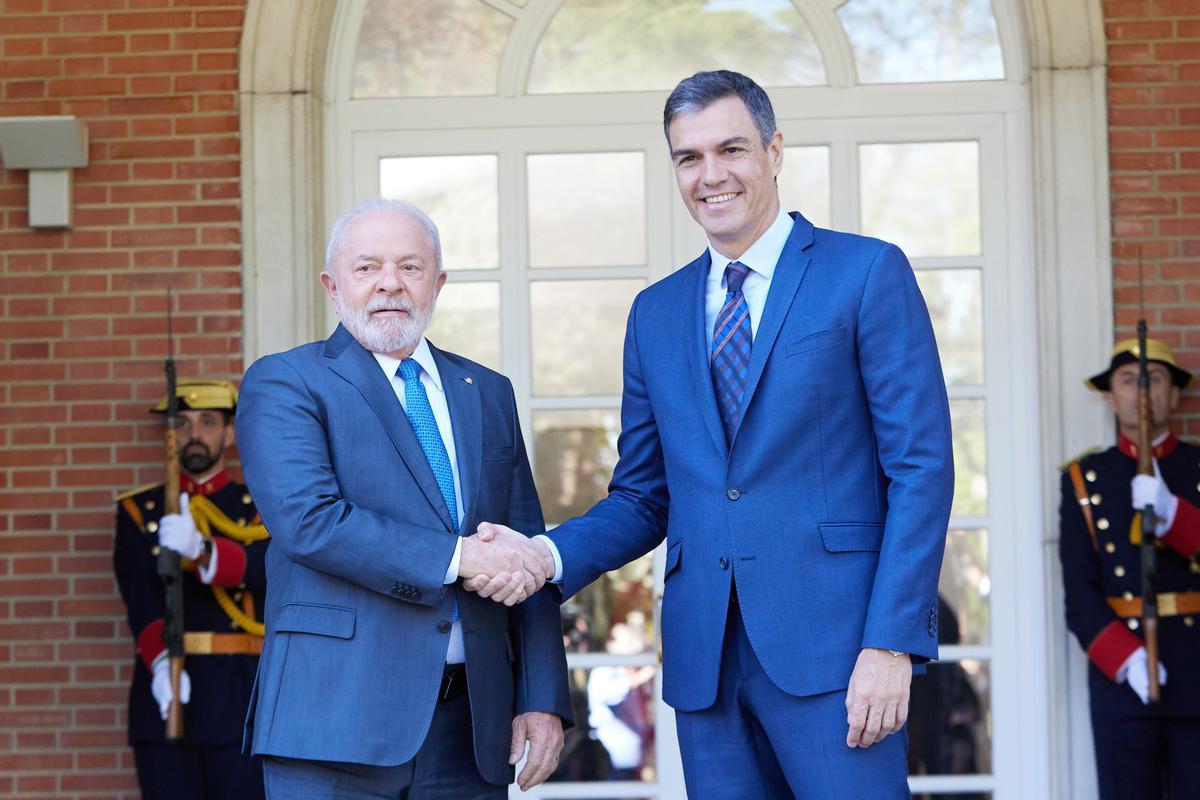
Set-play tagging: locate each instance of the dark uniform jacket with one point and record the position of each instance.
(220, 683)
(1110, 568)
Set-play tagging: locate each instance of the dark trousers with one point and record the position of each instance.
(756, 742)
(443, 769)
(1141, 758)
(168, 772)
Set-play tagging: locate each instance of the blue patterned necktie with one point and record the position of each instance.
(730, 357)
(420, 416)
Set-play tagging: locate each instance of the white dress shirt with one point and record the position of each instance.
(761, 258)
(431, 379)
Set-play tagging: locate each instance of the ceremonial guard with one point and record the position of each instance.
(1145, 748)
(222, 544)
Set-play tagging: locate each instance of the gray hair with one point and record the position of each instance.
(705, 88)
(380, 204)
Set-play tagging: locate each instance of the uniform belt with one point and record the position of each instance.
(207, 643)
(1170, 604)
(454, 682)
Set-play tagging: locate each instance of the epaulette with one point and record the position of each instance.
(145, 487)
(1090, 451)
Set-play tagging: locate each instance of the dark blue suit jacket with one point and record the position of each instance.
(830, 507)
(357, 615)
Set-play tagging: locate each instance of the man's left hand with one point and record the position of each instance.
(544, 733)
(877, 700)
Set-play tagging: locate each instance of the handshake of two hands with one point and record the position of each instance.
(504, 565)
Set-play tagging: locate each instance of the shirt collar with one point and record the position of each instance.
(1163, 446)
(206, 487)
(422, 355)
(760, 257)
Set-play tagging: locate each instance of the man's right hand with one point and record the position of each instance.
(160, 685)
(504, 565)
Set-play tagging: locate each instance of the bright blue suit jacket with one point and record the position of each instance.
(357, 614)
(830, 506)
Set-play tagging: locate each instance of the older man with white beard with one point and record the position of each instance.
(369, 454)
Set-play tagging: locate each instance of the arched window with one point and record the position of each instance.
(530, 130)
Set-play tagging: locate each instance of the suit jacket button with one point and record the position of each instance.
(396, 590)
(724, 562)
(443, 627)
(733, 493)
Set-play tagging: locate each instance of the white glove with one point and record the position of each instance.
(178, 531)
(1151, 490)
(160, 685)
(1135, 672)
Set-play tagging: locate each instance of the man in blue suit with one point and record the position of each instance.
(785, 427)
(369, 454)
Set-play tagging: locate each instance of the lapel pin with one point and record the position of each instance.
(467, 379)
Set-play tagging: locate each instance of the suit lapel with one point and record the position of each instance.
(789, 272)
(699, 345)
(466, 417)
(353, 363)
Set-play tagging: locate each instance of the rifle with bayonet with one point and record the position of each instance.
(1143, 531)
(169, 571)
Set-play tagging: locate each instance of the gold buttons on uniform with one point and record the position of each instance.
(246, 499)
(242, 521)
(1132, 623)
(1091, 475)
(152, 526)
(1096, 499)
(149, 505)
(1189, 621)
(1119, 571)
(1196, 567)
(1102, 523)
(1109, 547)
(154, 551)
(1127, 596)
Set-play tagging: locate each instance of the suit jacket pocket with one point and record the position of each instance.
(502, 453)
(815, 341)
(674, 554)
(314, 618)
(844, 537)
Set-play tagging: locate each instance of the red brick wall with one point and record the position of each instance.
(1154, 130)
(82, 344)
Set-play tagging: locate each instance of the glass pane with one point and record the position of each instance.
(587, 209)
(578, 330)
(964, 589)
(467, 321)
(459, 194)
(574, 456)
(923, 197)
(970, 458)
(804, 183)
(923, 40)
(955, 300)
(633, 45)
(613, 614)
(950, 720)
(405, 50)
(613, 737)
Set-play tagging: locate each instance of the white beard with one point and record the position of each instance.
(385, 334)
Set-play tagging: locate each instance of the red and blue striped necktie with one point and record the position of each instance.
(730, 357)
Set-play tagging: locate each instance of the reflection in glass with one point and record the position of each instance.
(970, 458)
(459, 194)
(613, 737)
(406, 50)
(923, 197)
(950, 720)
(634, 45)
(574, 455)
(955, 300)
(467, 321)
(577, 330)
(804, 183)
(587, 209)
(923, 40)
(613, 614)
(964, 588)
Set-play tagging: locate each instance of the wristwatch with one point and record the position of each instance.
(895, 653)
